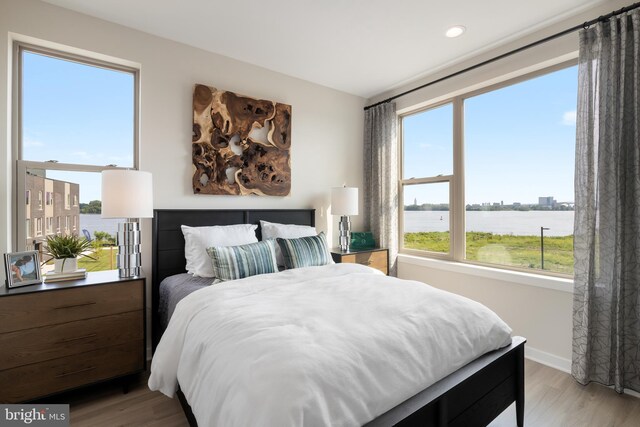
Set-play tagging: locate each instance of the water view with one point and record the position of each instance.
(521, 223)
(94, 222)
(508, 238)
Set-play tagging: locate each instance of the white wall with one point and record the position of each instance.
(326, 127)
(543, 316)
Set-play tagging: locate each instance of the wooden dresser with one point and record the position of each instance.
(376, 258)
(55, 337)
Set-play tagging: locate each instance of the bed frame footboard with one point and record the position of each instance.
(472, 396)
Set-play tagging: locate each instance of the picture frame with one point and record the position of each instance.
(22, 268)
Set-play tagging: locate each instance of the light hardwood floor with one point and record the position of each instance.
(553, 399)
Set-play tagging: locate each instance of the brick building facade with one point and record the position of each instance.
(52, 207)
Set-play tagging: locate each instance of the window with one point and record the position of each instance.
(518, 141)
(28, 197)
(426, 184)
(28, 226)
(85, 101)
(90, 125)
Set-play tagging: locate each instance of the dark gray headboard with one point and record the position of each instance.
(168, 241)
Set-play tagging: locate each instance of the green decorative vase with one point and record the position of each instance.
(362, 240)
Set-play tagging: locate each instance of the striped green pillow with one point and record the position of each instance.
(236, 262)
(305, 251)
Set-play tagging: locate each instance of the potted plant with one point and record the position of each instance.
(65, 251)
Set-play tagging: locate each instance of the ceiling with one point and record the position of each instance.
(362, 47)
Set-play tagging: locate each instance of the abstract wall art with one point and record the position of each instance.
(240, 145)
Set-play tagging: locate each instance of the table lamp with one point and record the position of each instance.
(127, 194)
(344, 202)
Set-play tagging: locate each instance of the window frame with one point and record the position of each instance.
(20, 165)
(449, 179)
(457, 215)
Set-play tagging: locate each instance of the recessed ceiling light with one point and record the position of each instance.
(455, 31)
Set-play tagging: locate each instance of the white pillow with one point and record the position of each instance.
(273, 230)
(198, 239)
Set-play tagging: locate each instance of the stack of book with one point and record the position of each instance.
(61, 277)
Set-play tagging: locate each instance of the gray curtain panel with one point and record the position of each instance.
(381, 178)
(606, 306)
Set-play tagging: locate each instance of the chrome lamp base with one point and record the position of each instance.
(129, 258)
(344, 229)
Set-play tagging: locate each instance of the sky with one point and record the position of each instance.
(519, 144)
(75, 113)
(519, 140)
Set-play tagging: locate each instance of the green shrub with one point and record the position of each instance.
(104, 237)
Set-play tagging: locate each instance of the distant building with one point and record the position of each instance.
(517, 204)
(52, 207)
(415, 202)
(547, 202)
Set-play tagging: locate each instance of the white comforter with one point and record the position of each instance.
(322, 346)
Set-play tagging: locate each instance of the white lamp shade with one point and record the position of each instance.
(127, 194)
(344, 201)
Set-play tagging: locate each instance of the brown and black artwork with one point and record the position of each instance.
(240, 145)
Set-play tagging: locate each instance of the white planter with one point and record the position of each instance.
(70, 265)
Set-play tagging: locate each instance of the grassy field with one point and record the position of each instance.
(505, 249)
(105, 259)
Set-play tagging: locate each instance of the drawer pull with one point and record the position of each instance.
(75, 305)
(79, 371)
(77, 338)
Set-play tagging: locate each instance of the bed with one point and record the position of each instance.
(473, 395)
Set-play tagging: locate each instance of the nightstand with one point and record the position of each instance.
(377, 258)
(59, 336)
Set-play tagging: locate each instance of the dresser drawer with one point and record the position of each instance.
(377, 260)
(60, 306)
(72, 371)
(27, 346)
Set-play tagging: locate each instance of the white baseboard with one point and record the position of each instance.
(631, 393)
(548, 359)
(559, 363)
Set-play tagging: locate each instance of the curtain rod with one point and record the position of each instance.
(584, 25)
